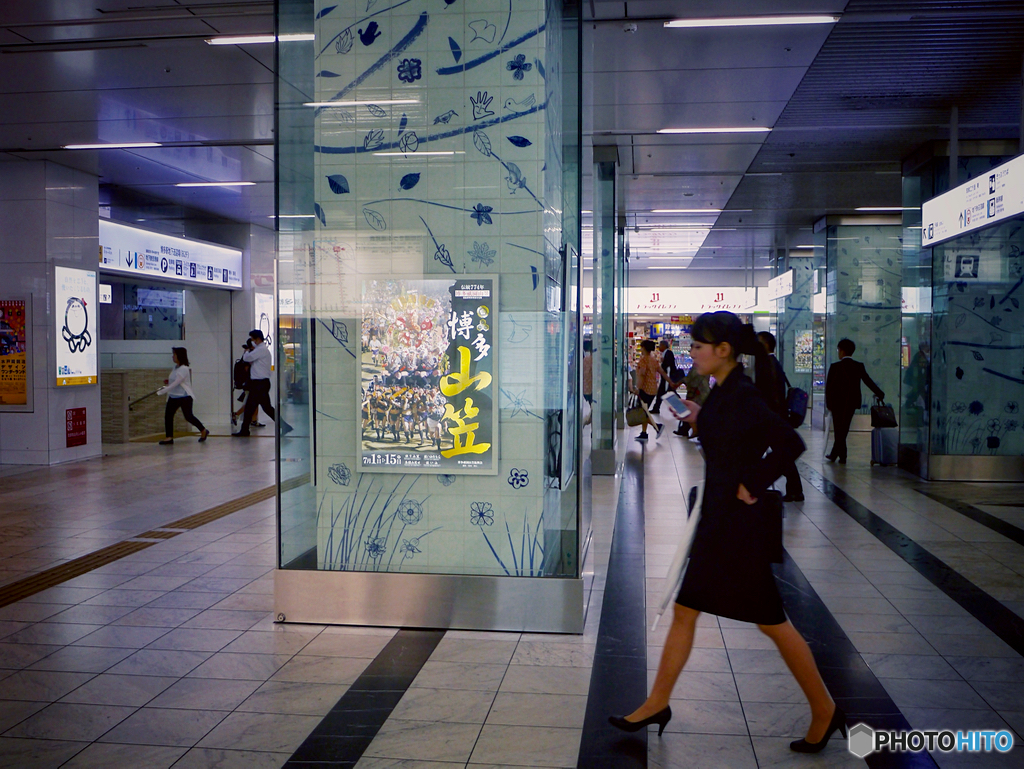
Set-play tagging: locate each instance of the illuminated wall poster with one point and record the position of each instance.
(266, 321)
(15, 371)
(803, 355)
(75, 311)
(428, 379)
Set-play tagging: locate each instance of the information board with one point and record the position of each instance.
(985, 200)
(75, 311)
(75, 427)
(141, 253)
(15, 388)
(429, 380)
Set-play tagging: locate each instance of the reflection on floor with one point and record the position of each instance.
(170, 656)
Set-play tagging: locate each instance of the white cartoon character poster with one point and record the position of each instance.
(75, 310)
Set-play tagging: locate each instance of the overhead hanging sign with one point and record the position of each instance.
(780, 287)
(985, 200)
(141, 253)
(679, 300)
(75, 311)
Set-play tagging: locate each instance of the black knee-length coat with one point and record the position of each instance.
(729, 573)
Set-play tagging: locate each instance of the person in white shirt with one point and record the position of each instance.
(258, 359)
(179, 396)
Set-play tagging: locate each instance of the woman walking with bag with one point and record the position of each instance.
(729, 573)
(179, 396)
(648, 371)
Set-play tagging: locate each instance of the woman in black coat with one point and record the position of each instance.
(729, 573)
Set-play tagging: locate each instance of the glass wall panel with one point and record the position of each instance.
(976, 388)
(863, 301)
(435, 342)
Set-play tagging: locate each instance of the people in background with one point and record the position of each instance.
(729, 573)
(648, 374)
(843, 396)
(774, 390)
(258, 359)
(179, 396)
(698, 386)
(668, 372)
(588, 370)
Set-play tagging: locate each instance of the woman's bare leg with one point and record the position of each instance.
(673, 658)
(801, 664)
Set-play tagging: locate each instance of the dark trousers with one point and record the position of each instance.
(794, 486)
(841, 424)
(259, 397)
(185, 404)
(662, 390)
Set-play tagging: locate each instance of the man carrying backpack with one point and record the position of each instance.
(775, 393)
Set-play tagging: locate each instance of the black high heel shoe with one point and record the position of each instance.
(661, 718)
(838, 722)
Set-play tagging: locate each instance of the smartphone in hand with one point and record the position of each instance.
(676, 404)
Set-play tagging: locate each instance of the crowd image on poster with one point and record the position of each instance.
(427, 379)
(13, 353)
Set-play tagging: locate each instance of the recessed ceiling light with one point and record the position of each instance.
(811, 246)
(751, 21)
(686, 211)
(652, 267)
(215, 184)
(736, 130)
(112, 146)
(436, 152)
(358, 103)
(293, 216)
(259, 39)
(880, 209)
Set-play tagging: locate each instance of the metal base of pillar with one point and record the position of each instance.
(514, 604)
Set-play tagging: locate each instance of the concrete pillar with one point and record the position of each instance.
(603, 447)
(48, 217)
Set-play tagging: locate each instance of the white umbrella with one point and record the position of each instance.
(674, 578)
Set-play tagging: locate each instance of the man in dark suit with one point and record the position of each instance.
(774, 392)
(842, 395)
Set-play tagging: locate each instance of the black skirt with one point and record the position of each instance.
(730, 573)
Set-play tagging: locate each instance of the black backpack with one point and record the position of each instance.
(240, 374)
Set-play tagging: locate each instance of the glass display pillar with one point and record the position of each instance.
(605, 305)
(864, 283)
(430, 158)
(796, 324)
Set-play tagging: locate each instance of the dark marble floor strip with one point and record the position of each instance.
(993, 522)
(852, 684)
(346, 732)
(618, 683)
(983, 607)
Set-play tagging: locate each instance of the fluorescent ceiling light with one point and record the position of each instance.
(112, 146)
(403, 154)
(879, 209)
(293, 216)
(652, 267)
(751, 21)
(737, 130)
(686, 211)
(358, 103)
(793, 248)
(215, 184)
(258, 39)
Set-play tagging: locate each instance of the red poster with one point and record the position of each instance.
(75, 427)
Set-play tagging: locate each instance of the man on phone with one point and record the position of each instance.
(258, 359)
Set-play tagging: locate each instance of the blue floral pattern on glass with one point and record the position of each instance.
(482, 253)
(446, 480)
(376, 547)
(518, 479)
(518, 66)
(481, 513)
(340, 474)
(481, 214)
(410, 512)
(410, 70)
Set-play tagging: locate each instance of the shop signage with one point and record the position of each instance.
(75, 311)
(678, 300)
(141, 253)
(985, 200)
(781, 286)
(15, 391)
(429, 381)
(75, 427)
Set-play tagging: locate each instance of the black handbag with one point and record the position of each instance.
(882, 415)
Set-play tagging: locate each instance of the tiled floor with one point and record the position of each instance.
(169, 657)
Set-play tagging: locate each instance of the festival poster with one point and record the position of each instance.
(428, 376)
(803, 355)
(14, 388)
(75, 314)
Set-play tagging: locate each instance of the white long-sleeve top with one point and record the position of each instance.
(258, 359)
(179, 383)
